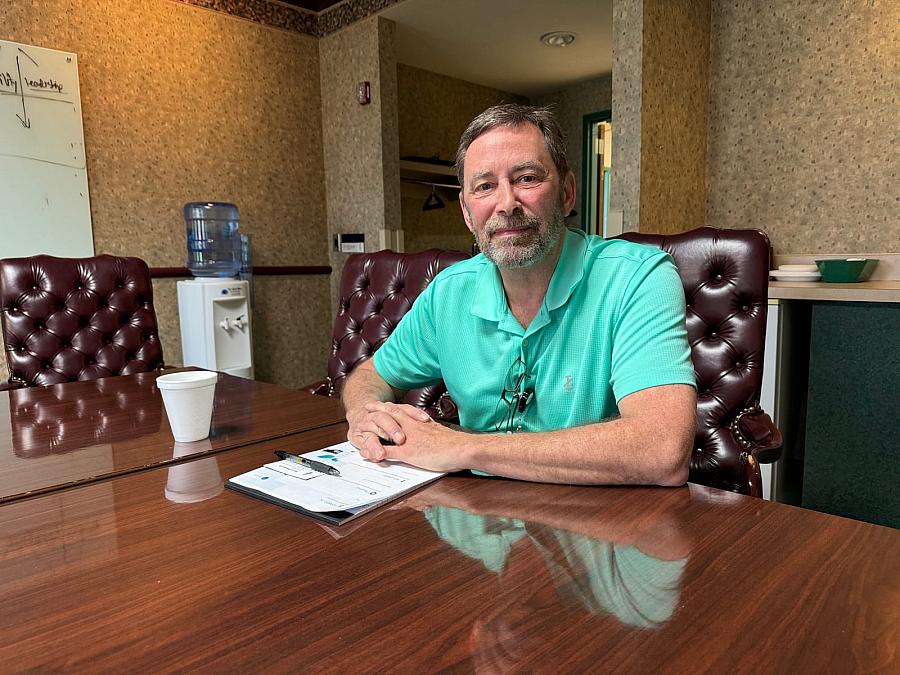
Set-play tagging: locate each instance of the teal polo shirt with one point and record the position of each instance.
(612, 323)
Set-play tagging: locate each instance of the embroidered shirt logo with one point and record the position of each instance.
(568, 385)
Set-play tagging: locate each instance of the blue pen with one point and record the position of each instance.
(312, 464)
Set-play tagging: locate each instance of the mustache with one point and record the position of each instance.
(517, 221)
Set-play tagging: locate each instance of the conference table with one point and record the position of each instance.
(78, 432)
(160, 568)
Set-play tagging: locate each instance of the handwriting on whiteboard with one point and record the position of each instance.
(28, 82)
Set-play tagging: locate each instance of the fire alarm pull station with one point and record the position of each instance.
(363, 93)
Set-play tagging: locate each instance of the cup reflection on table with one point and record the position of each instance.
(193, 481)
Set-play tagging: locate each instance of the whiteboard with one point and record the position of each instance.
(44, 201)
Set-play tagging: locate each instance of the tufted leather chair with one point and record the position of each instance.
(66, 319)
(377, 289)
(725, 275)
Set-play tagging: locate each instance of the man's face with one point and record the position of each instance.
(512, 198)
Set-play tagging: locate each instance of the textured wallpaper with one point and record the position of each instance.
(625, 180)
(674, 99)
(571, 105)
(434, 110)
(804, 123)
(362, 177)
(179, 104)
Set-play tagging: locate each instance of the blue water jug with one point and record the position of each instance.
(213, 240)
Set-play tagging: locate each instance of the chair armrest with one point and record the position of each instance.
(752, 475)
(10, 385)
(444, 410)
(320, 388)
(757, 434)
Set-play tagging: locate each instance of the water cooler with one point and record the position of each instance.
(214, 306)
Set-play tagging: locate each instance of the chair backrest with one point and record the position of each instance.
(725, 277)
(377, 289)
(67, 319)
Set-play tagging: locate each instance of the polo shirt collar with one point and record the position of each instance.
(489, 299)
(569, 269)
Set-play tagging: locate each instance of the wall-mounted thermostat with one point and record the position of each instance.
(354, 242)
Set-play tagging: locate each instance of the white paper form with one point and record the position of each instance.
(361, 482)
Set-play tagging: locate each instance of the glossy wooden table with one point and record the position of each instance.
(467, 575)
(81, 431)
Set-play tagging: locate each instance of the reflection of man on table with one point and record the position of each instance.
(578, 340)
(626, 565)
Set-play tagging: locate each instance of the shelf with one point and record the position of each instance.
(445, 175)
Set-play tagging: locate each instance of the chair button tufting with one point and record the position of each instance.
(746, 308)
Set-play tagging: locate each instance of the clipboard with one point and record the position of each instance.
(361, 487)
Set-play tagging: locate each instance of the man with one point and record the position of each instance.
(576, 342)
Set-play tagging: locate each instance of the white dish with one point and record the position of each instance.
(794, 275)
(798, 268)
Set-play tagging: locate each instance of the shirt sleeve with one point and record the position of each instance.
(409, 357)
(650, 346)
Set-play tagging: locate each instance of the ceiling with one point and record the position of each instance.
(496, 43)
(312, 5)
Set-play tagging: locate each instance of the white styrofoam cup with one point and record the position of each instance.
(188, 398)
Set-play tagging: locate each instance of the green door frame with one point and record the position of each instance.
(586, 153)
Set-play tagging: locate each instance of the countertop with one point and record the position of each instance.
(864, 291)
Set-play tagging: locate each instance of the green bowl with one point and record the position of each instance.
(846, 270)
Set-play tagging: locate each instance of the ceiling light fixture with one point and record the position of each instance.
(558, 38)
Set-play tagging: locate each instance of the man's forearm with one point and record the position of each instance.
(620, 451)
(365, 385)
(649, 444)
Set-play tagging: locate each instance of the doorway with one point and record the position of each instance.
(595, 173)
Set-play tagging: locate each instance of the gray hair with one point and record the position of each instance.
(515, 115)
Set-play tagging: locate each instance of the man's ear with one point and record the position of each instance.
(467, 217)
(568, 193)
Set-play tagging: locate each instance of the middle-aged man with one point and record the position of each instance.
(576, 342)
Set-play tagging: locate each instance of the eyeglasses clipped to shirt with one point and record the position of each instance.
(518, 392)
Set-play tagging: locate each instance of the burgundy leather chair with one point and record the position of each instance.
(377, 289)
(725, 274)
(67, 319)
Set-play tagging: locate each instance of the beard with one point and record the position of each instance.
(536, 238)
